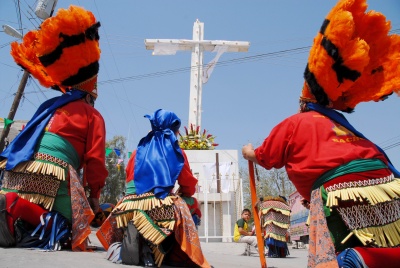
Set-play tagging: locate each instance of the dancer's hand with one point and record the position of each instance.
(248, 153)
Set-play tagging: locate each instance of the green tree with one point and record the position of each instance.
(115, 182)
(272, 182)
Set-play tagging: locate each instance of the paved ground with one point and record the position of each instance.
(220, 255)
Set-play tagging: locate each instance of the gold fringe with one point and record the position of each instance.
(46, 201)
(374, 194)
(143, 225)
(38, 168)
(148, 231)
(144, 204)
(124, 218)
(3, 164)
(276, 237)
(382, 236)
(166, 224)
(308, 221)
(279, 224)
(283, 211)
(158, 255)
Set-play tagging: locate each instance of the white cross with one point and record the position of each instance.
(197, 45)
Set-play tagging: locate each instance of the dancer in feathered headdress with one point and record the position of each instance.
(65, 134)
(352, 186)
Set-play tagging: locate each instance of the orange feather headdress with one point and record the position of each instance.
(64, 53)
(353, 58)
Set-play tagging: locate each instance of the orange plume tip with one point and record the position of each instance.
(353, 58)
(64, 52)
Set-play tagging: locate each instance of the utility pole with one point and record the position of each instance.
(197, 45)
(44, 10)
(14, 108)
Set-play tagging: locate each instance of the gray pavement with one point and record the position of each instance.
(220, 255)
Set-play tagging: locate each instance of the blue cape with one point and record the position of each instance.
(159, 159)
(339, 118)
(23, 146)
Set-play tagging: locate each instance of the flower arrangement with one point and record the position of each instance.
(194, 140)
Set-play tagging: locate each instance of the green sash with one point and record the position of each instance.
(359, 165)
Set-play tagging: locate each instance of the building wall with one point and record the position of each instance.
(220, 209)
(16, 127)
(298, 217)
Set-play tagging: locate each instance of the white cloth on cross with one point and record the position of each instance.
(210, 176)
(165, 49)
(211, 65)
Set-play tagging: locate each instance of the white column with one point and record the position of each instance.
(196, 72)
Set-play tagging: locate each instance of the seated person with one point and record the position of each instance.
(241, 235)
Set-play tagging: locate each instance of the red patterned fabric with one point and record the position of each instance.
(82, 214)
(186, 234)
(109, 233)
(321, 251)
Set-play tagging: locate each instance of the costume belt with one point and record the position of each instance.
(359, 165)
(55, 145)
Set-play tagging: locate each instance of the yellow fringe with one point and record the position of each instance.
(382, 236)
(279, 224)
(3, 164)
(276, 237)
(46, 201)
(145, 204)
(374, 194)
(143, 225)
(283, 211)
(147, 229)
(158, 256)
(38, 168)
(308, 221)
(166, 224)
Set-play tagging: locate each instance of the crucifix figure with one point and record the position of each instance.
(198, 77)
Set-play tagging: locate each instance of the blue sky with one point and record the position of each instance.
(245, 97)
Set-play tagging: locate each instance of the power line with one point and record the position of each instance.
(391, 146)
(257, 57)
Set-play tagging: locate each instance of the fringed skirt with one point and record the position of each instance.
(156, 219)
(38, 180)
(350, 214)
(275, 217)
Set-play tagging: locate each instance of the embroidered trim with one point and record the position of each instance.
(154, 218)
(276, 218)
(363, 183)
(45, 164)
(362, 216)
(371, 194)
(381, 236)
(37, 188)
(275, 232)
(53, 159)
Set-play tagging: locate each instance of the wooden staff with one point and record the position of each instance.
(260, 240)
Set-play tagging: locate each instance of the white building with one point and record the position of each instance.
(15, 128)
(221, 200)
